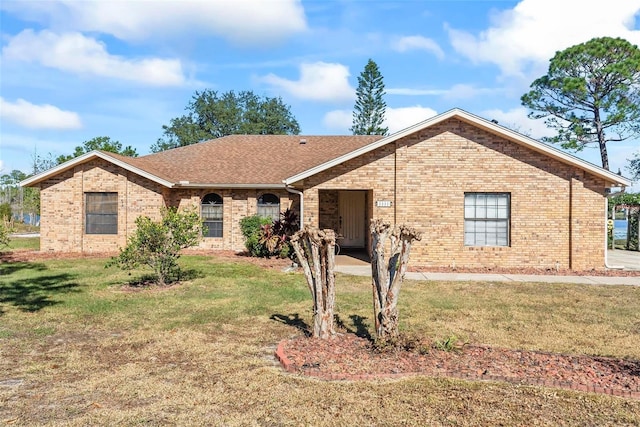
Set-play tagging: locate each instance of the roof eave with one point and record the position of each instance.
(229, 186)
(36, 179)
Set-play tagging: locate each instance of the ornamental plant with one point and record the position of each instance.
(157, 244)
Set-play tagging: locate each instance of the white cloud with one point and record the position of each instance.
(395, 118)
(240, 21)
(34, 116)
(408, 43)
(457, 91)
(401, 118)
(531, 32)
(319, 81)
(76, 53)
(338, 121)
(516, 119)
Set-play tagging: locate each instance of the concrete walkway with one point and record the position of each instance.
(358, 267)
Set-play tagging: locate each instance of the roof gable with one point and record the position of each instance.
(481, 123)
(127, 163)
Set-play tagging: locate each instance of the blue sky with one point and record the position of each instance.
(74, 70)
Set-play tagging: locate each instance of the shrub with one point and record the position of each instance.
(276, 237)
(4, 234)
(157, 244)
(5, 212)
(265, 238)
(250, 227)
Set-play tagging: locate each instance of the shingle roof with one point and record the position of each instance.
(246, 159)
(277, 160)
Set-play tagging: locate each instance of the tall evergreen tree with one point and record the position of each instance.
(591, 95)
(368, 112)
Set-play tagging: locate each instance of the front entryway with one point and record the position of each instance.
(351, 211)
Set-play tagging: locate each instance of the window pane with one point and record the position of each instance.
(469, 211)
(486, 219)
(101, 213)
(212, 215)
(212, 212)
(213, 228)
(269, 206)
(481, 211)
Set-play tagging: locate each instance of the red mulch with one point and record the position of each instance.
(348, 357)
(529, 271)
(279, 264)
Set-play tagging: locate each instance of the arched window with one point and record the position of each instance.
(212, 215)
(269, 206)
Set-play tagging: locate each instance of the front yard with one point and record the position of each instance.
(79, 348)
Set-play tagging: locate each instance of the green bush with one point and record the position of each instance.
(265, 238)
(4, 234)
(251, 230)
(157, 244)
(5, 212)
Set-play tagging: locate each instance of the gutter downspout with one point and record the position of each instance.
(606, 238)
(299, 193)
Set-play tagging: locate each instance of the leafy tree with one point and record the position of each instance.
(21, 200)
(591, 94)
(41, 163)
(157, 244)
(634, 166)
(369, 109)
(210, 115)
(4, 234)
(103, 143)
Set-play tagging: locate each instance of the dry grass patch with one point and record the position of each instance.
(202, 353)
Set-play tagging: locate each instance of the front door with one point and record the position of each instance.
(351, 208)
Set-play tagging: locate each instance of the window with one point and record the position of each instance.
(269, 206)
(212, 215)
(486, 219)
(101, 213)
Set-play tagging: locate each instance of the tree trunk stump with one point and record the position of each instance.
(316, 254)
(387, 276)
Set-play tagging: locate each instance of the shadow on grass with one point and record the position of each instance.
(293, 320)
(360, 327)
(34, 294)
(7, 268)
(147, 280)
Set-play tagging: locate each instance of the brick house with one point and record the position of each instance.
(482, 195)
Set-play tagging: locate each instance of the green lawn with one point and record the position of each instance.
(27, 243)
(79, 348)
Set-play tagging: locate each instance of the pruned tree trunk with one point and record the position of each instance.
(387, 276)
(315, 250)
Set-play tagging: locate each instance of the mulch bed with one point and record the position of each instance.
(349, 357)
(280, 264)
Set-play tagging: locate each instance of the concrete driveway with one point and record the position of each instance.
(630, 260)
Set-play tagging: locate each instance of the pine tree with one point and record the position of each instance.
(369, 109)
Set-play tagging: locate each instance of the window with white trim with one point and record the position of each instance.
(101, 213)
(211, 211)
(487, 219)
(269, 206)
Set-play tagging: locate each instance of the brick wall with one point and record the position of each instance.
(557, 210)
(63, 215)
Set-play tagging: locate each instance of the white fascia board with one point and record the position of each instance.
(230, 186)
(543, 148)
(480, 122)
(86, 157)
(367, 148)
